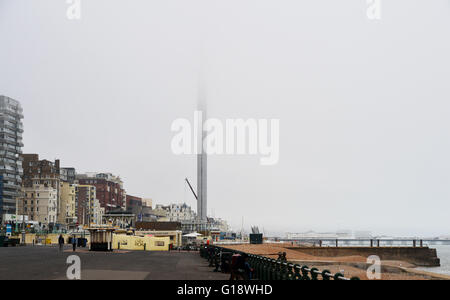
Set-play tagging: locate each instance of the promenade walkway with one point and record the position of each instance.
(47, 263)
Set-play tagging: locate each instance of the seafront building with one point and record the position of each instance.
(68, 198)
(188, 218)
(148, 202)
(96, 213)
(109, 189)
(141, 208)
(40, 204)
(41, 177)
(175, 212)
(36, 171)
(11, 129)
(133, 204)
(86, 195)
(68, 175)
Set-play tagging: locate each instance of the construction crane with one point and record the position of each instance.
(192, 190)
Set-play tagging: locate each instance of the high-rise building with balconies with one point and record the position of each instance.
(11, 129)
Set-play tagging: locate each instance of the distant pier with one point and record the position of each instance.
(369, 242)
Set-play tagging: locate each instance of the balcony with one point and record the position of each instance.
(9, 193)
(11, 186)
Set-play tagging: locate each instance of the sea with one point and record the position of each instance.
(443, 252)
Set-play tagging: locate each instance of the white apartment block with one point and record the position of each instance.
(177, 212)
(96, 212)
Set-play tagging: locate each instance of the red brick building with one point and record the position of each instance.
(133, 202)
(36, 171)
(109, 189)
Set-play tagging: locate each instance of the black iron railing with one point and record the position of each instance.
(265, 268)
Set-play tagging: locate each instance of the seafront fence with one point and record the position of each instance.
(267, 268)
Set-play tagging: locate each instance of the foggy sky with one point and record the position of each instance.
(363, 105)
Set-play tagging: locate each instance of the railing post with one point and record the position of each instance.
(304, 270)
(272, 269)
(297, 275)
(314, 275)
(325, 275)
(290, 273)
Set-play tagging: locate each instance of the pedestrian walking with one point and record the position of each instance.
(61, 242)
(74, 243)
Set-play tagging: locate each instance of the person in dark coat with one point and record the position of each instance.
(240, 268)
(74, 243)
(61, 242)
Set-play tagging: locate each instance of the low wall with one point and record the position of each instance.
(47, 239)
(420, 256)
(129, 242)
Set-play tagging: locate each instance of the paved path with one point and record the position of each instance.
(45, 262)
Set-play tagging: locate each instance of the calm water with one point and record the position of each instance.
(443, 252)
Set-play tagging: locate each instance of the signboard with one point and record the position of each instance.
(15, 218)
(8, 230)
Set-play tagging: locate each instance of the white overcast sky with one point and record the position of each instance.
(363, 105)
